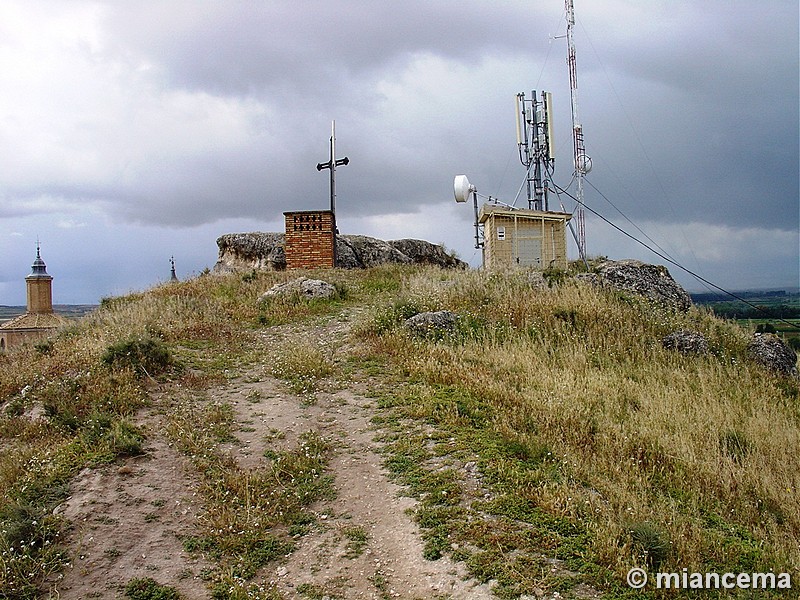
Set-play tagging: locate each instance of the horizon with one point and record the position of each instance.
(789, 290)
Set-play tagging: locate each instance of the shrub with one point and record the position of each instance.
(149, 589)
(144, 355)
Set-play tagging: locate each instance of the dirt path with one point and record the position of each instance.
(128, 519)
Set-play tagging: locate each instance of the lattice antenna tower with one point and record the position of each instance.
(583, 164)
(535, 144)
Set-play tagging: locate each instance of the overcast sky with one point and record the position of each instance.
(132, 131)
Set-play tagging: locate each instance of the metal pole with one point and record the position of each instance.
(333, 168)
(579, 151)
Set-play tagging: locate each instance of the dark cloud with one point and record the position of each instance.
(181, 114)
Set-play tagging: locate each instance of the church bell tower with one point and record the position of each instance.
(40, 291)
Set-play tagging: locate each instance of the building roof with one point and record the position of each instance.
(39, 269)
(35, 321)
(525, 213)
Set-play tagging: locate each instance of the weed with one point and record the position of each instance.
(734, 444)
(356, 541)
(651, 544)
(243, 507)
(149, 589)
(573, 413)
(303, 366)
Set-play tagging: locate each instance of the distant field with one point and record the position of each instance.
(779, 310)
(72, 311)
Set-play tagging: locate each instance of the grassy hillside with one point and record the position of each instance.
(550, 439)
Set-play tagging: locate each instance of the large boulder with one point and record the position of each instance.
(686, 342)
(650, 281)
(303, 287)
(248, 251)
(422, 252)
(436, 322)
(362, 252)
(772, 352)
(265, 251)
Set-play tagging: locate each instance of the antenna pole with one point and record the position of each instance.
(582, 162)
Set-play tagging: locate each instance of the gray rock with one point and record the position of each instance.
(686, 342)
(772, 352)
(590, 278)
(650, 281)
(247, 251)
(427, 323)
(265, 251)
(306, 288)
(366, 252)
(425, 253)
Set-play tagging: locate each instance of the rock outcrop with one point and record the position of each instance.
(773, 353)
(248, 251)
(686, 342)
(265, 251)
(650, 281)
(422, 252)
(363, 252)
(303, 287)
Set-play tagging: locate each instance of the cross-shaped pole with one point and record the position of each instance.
(332, 164)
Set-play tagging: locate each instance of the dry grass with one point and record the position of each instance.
(595, 444)
(660, 458)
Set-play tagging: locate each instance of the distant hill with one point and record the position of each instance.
(776, 304)
(707, 297)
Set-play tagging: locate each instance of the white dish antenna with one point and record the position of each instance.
(462, 188)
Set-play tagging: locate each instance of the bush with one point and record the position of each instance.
(144, 355)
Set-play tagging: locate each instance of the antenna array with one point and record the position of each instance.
(535, 144)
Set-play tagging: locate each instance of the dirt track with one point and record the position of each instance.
(128, 518)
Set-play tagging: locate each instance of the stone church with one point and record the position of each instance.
(39, 321)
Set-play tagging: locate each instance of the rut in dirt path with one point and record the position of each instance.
(364, 544)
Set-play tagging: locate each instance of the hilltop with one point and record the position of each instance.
(538, 438)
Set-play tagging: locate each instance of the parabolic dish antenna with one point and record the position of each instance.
(583, 163)
(462, 188)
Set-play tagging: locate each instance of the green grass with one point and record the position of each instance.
(149, 589)
(357, 539)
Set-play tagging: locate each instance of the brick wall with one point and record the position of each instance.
(310, 239)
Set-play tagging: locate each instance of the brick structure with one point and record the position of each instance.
(39, 321)
(310, 239)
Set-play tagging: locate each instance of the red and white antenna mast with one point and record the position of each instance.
(583, 164)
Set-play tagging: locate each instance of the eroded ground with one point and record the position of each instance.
(129, 519)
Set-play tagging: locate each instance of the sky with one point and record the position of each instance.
(134, 131)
